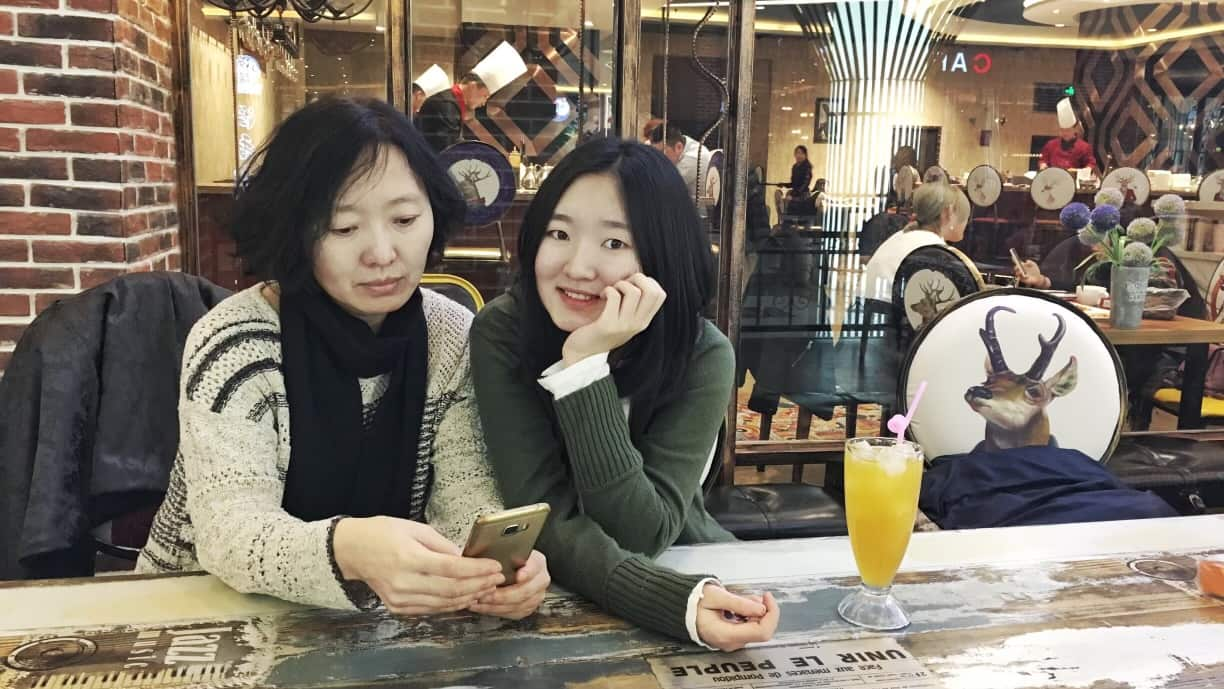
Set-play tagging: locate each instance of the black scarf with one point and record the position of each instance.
(337, 466)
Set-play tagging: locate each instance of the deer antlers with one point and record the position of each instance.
(991, 339)
(1047, 350)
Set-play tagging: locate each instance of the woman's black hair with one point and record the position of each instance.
(803, 148)
(672, 248)
(285, 196)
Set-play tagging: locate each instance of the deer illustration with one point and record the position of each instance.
(929, 306)
(1014, 405)
(467, 180)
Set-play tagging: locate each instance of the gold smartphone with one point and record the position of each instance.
(507, 536)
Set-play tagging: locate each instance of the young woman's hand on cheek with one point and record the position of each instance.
(521, 598)
(413, 569)
(753, 619)
(629, 307)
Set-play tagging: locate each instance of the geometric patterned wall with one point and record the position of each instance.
(530, 112)
(1158, 106)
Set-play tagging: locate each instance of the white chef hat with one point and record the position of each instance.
(433, 81)
(1066, 114)
(500, 67)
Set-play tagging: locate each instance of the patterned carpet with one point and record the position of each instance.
(748, 422)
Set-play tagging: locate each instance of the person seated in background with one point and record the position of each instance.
(906, 178)
(602, 391)
(941, 212)
(330, 451)
(688, 155)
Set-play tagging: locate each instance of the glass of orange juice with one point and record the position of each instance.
(883, 476)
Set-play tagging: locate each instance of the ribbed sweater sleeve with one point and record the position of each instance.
(528, 458)
(641, 491)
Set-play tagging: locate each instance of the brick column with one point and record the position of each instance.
(87, 167)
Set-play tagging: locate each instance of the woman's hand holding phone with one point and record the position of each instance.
(412, 569)
(523, 597)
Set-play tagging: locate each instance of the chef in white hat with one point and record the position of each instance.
(431, 82)
(1068, 151)
(441, 116)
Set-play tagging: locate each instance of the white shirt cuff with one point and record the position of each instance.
(562, 380)
(690, 615)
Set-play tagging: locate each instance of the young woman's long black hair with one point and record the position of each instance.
(672, 248)
(285, 196)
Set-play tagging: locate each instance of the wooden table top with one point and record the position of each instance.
(1180, 330)
(1061, 606)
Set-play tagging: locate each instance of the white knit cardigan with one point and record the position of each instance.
(222, 512)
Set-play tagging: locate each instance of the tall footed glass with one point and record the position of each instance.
(883, 476)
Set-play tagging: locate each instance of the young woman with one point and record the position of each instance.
(602, 390)
(941, 212)
(330, 451)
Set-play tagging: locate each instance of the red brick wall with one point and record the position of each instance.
(87, 165)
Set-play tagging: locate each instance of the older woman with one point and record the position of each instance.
(330, 451)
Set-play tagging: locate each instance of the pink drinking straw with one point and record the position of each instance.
(897, 424)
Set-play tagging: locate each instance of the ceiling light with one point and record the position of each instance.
(787, 108)
(380, 29)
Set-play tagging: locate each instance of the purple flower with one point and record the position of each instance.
(1074, 216)
(1105, 218)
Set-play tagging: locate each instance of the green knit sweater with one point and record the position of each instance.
(615, 506)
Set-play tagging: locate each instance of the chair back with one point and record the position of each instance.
(455, 288)
(928, 281)
(1215, 294)
(1014, 367)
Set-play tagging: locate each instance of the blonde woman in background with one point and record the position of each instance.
(941, 212)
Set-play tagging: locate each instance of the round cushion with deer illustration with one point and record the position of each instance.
(1011, 368)
(484, 177)
(929, 280)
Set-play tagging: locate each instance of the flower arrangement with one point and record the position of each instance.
(1137, 244)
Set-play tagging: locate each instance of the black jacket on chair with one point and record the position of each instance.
(89, 417)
